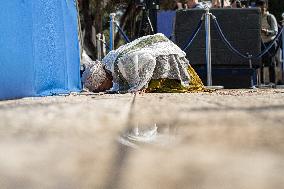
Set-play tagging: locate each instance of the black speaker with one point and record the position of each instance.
(240, 26)
(230, 78)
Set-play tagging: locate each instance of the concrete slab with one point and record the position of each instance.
(225, 139)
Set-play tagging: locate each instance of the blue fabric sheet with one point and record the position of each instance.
(39, 49)
(165, 22)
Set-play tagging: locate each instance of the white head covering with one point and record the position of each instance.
(94, 74)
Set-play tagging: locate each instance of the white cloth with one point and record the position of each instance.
(150, 57)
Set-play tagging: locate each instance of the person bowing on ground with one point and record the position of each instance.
(151, 63)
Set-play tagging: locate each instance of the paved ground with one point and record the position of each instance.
(221, 140)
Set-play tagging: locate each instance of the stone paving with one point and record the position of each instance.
(220, 140)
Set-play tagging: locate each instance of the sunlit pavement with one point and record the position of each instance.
(220, 140)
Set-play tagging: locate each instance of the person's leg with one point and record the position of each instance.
(261, 74)
(272, 70)
(272, 65)
(263, 64)
(268, 67)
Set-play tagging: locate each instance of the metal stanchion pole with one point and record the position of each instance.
(99, 47)
(252, 76)
(104, 45)
(112, 30)
(208, 50)
(208, 46)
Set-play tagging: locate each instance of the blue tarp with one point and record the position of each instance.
(39, 49)
(165, 22)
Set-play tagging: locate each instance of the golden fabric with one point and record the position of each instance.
(175, 86)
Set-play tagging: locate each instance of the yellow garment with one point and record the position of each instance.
(174, 86)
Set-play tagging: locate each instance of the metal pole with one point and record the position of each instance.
(208, 47)
(150, 23)
(104, 45)
(112, 30)
(99, 47)
(252, 76)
